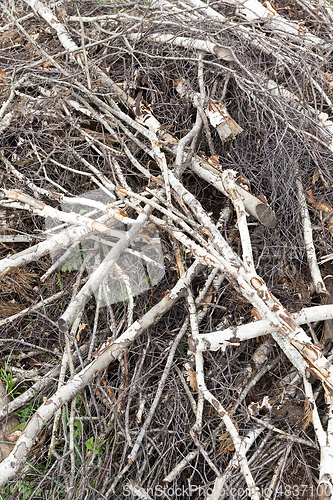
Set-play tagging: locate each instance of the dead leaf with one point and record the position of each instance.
(81, 330)
(318, 205)
(255, 314)
(6, 426)
(208, 297)
(226, 443)
(214, 160)
(321, 206)
(3, 74)
(14, 436)
(243, 182)
(192, 379)
(315, 177)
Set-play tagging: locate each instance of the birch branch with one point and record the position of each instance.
(233, 335)
(215, 111)
(228, 181)
(240, 451)
(205, 393)
(107, 353)
(188, 43)
(308, 240)
(325, 484)
(31, 309)
(95, 279)
(58, 241)
(255, 290)
(72, 218)
(147, 119)
(253, 10)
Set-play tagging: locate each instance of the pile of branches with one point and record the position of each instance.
(166, 239)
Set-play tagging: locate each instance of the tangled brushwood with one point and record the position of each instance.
(166, 249)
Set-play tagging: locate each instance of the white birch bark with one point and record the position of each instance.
(220, 119)
(209, 12)
(292, 339)
(215, 111)
(239, 448)
(188, 43)
(146, 118)
(45, 210)
(228, 180)
(325, 483)
(44, 11)
(253, 10)
(6, 121)
(308, 241)
(58, 241)
(233, 335)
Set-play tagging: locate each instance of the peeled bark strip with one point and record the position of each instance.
(215, 111)
(273, 310)
(255, 290)
(205, 170)
(220, 119)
